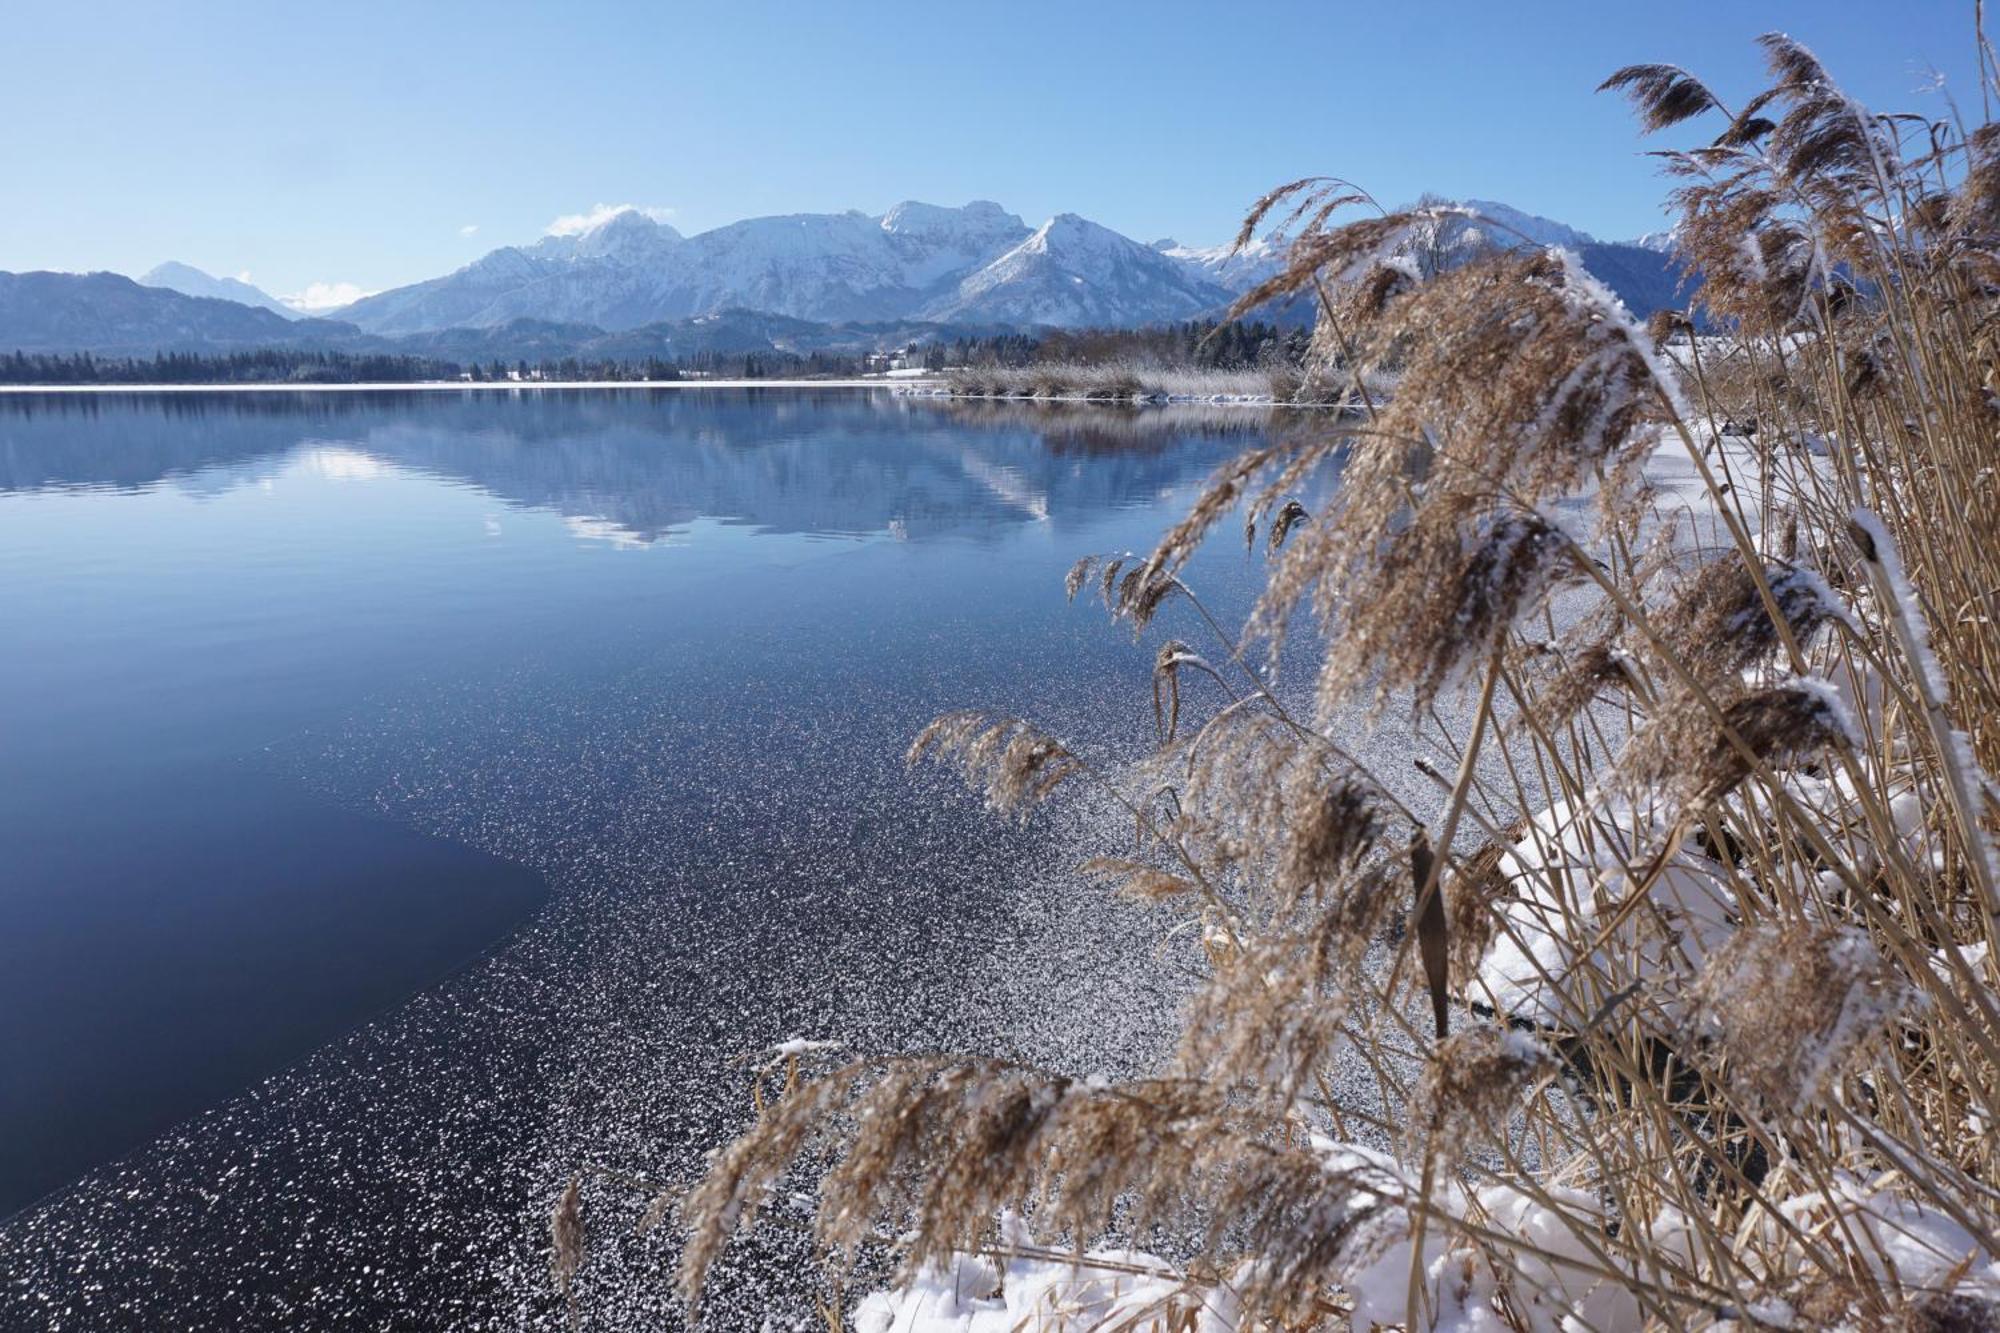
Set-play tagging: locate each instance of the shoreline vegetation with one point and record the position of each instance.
(1674, 965)
(1121, 384)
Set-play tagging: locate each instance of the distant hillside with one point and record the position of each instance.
(727, 332)
(1645, 279)
(109, 314)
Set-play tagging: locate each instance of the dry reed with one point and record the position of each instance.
(1748, 908)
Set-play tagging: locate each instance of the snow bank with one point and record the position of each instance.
(1023, 1291)
(1908, 1245)
(1555, 1281)
(1554, 1276)
(1569, 878)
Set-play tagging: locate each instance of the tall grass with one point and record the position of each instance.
(1713, 874)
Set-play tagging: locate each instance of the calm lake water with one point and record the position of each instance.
(409, 799)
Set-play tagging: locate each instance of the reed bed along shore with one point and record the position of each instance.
(1120, 384)
(1698, 949)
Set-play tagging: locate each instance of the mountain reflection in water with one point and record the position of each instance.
(640, 465)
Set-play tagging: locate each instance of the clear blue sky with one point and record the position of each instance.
(358, 142)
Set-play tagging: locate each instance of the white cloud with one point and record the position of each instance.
(469, 229)
(243, 275)
(325, 296)
(575, 224)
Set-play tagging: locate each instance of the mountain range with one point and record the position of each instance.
(977, 265)
(631, 285)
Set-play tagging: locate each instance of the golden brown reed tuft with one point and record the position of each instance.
(1473, 896)
(939, 1146)
(1139, 880)
(1475, 1082)
(1127, 587)
(1167, 665)
(1014, 763)
(1664, 95)
(1784, 1009)
(1289, 516)
(1447, 590)
(1277, 1007)
(1284, 808)
(1696, 758)
(1718, 623)
(1329, 824)
(1584, 677)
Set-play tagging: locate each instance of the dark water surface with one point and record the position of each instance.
(409, 799)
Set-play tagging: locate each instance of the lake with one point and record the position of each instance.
(409, 799)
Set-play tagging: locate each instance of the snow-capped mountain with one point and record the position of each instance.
(630, 270)
(978, 263)
(1227, 266)
(1072, 273)
(939, 242)
(1498, 224)
(836, 266)
(580, 278)
(1511, 227)
(1645, 274)
(628, 237)
(191, 281)
(1638, 270)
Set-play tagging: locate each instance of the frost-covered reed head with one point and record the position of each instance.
(1699, 750)
(1718, 623)
(1439, 603)
(1782, 1009)
(1286, 811)
(1475, 1082)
